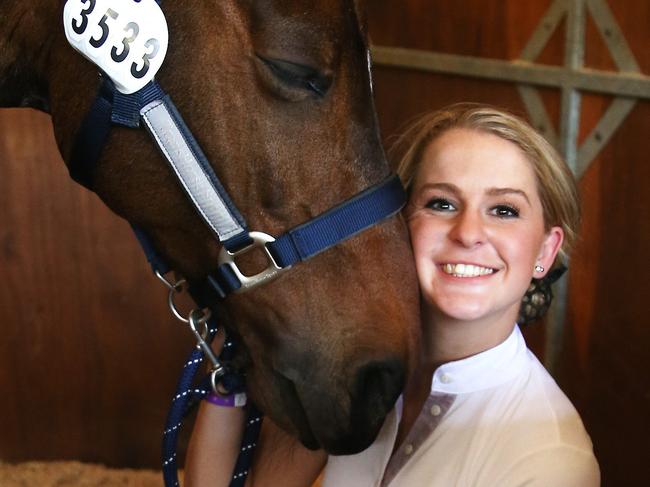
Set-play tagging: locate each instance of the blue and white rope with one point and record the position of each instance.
(188, 396)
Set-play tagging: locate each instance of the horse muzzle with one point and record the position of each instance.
(341, 419)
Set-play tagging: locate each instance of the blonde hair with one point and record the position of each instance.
(555, 183)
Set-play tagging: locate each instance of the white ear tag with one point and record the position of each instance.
(126, 39)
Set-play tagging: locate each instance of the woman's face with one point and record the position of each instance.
(477, 226)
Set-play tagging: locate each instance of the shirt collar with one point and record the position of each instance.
(484, 370)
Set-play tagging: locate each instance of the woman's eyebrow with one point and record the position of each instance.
(505, 191)
(442, 186)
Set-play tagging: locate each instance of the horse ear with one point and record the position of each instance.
(20, 87)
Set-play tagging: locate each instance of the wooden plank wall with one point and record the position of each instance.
(605, 363)
(89, 354)
(88, 351)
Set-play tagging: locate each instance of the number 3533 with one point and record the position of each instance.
(126, 39)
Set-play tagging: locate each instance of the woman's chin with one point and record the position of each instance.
(459, 309)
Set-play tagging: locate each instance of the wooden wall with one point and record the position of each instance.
(89, 354)
(88, 351)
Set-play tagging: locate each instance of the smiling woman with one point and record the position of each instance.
(477, 230)
(491, 206)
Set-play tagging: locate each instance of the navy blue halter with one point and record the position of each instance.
(347, 219)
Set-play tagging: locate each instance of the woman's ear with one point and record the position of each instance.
(550, 247)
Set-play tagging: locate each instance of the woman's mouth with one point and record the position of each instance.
(466, 270)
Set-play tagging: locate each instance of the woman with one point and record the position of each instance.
(491, 206)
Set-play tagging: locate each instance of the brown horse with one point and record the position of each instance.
(328, 345)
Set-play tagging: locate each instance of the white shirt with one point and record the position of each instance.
(494, 419)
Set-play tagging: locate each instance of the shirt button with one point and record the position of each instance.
(445, 378)
(408, 449)
(435, 410)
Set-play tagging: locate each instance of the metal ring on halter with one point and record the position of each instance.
(259, 240)
(168, 284)
(176, 288)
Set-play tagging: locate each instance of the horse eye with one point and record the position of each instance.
(298, 76)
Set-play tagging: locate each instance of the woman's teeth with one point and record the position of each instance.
(466, 270)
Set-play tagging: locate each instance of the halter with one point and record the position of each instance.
(156, 110)
(152, 108)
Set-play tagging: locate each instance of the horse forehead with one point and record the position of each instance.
(310, 31)
(330, 15)
(300, 7)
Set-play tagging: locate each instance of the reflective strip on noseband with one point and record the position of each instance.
(191, 167)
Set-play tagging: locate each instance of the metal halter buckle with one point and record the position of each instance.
(272, 271)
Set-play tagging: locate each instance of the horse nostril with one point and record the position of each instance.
(377, 386)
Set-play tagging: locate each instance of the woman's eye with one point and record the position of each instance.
(298, 76)
(440, 204)
(505, 211)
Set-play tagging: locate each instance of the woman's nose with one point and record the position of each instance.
(468, 229)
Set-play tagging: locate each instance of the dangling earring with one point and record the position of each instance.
(539, 268)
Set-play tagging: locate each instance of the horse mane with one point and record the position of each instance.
(20, 87)
(24, 46)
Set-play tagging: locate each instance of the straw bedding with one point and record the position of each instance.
(74, 474)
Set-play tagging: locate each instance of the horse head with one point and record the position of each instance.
(279, 96)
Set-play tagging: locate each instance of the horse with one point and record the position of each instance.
(278, 94)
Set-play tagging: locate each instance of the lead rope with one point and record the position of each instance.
(188, 395)
(204, 327)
